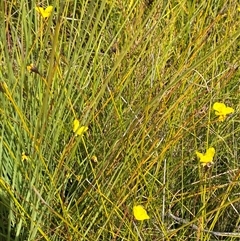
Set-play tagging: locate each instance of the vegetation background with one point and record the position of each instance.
(142, 75)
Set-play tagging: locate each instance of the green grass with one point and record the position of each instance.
(143, 76)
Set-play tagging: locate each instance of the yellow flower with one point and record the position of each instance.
(222, 110)
(140, 213)
(32, 68)
(77, 129)
(44, 12)
(238, 8)
(24, 157)
(206, 158)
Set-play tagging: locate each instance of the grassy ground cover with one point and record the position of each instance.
(142, 78)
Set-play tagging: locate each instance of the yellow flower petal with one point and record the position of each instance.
(76, 124)
(29, 68)
(210, 152)
(81, 130)
(200, 155)
(24, 157)
(44, 12)
(77, 129)
(140, 213)
(229, 110)
(218, 107)
(207, 157)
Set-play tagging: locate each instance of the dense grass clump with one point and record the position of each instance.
(138, 80)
